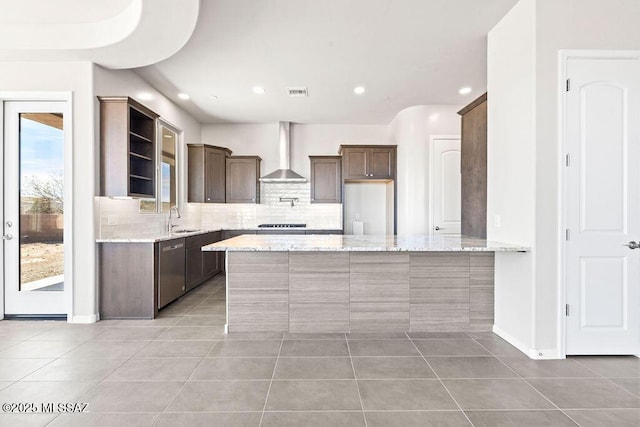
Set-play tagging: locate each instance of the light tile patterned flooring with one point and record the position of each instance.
(181, 370)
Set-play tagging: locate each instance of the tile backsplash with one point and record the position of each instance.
(121, 217)
(272, 210)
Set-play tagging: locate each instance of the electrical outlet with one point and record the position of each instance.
(112, 220)
(497, 221)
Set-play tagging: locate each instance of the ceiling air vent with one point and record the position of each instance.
(297, 91)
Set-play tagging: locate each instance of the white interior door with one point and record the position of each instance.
(603, 207)
(446, 186)
(33, 210)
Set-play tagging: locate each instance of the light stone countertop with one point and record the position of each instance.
(346, 243)
(153, 238)
(156, 237)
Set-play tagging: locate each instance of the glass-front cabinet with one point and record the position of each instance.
(139, 154)
(168, 178)
(167, 171)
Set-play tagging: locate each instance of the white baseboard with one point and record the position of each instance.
(532, 353)
(546, 354)
(92, 318)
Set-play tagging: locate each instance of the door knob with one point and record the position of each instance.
(7, 236)
(632, 245)
(438, 228)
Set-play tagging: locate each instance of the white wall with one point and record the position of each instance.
(594, 24)
(128, 83)
(87, 80)
(411, 130)
(76, 77)
(306, 140)
(371, 203)
(511, 167)
(524, 148)
(326, 140)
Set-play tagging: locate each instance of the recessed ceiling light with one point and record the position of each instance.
(214, 96)
(465, 90)
(258, 90)
(359, 90)
(145, 96)
(183, 95)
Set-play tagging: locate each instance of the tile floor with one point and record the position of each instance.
(181, 370)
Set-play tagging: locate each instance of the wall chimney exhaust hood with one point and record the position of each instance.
(284, 174)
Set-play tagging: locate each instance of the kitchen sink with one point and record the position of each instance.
(186, 230)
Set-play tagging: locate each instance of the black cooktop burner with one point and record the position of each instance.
(282, 225)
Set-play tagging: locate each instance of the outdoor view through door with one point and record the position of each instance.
(34, 184)
(41, 202)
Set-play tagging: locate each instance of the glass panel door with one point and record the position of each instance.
(34, 208)
(41, 202)
(168, 175)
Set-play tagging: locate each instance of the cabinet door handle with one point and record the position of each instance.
(170, 248)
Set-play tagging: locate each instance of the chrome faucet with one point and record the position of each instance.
(289, 199)
(177, 211)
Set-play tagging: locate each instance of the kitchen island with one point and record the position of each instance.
(338, 283)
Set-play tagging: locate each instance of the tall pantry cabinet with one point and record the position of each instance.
(473, 154)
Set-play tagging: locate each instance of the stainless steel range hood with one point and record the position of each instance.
(284, 174)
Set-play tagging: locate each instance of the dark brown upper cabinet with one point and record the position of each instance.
(207, 167)
(127, 148)
(242, 179)
(367, 162)
(326, 179)
(473, 168)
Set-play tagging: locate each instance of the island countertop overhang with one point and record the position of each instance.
(366, 243)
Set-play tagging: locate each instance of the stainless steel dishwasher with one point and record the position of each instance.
(171, 281)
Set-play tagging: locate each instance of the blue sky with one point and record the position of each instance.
(166, 182)
(41, 150)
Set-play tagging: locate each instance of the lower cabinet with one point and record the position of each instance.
(137, 279)
(128, 286)
(193, 263)
(201, 266)
(227, 234)
(211, 261)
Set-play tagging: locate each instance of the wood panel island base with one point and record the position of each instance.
(359, 283)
